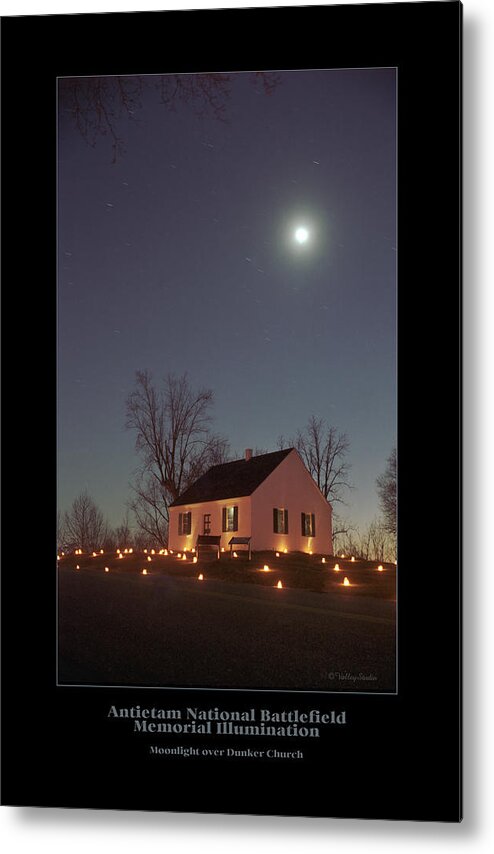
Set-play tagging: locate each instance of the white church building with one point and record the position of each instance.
(271, 499)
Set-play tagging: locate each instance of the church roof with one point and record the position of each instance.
(232, 480)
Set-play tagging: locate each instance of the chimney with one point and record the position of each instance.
(248, 454)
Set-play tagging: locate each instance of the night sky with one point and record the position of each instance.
(181, 256)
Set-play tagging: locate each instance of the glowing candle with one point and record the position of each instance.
(200, 577)
(144, 572)
(285, 551)
(78, 567)
(277, 554)
(336, 567)
(353, 559)
(194, 560)
(149, 559)
(346, 582)
(323, 560)
(106, 569)
(380, 568)
(235, 554)
(279, 585)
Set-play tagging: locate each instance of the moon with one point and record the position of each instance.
(301, 234)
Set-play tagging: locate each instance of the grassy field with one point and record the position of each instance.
(294, 570)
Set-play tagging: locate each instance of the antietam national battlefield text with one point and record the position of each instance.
(288, 723)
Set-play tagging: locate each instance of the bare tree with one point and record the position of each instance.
(96, 105)
(175, 445)
(323, 450)
(349, 542)
(373, 543)
(342, 529)
(150, 508)
(382, 541)
(85, 525)
(386, 489)
(142, 540)
(123, 532)
(61, 535)
(109, 542)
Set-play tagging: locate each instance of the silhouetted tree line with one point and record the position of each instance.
(175, 445)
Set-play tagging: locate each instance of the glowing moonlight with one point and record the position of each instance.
(301, 235)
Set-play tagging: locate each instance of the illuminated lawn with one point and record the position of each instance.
(295, 570)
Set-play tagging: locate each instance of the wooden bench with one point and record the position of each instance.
(239, 541)
(207, 543)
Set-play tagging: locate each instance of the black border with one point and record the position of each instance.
(398, 757)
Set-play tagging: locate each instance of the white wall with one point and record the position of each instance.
(179, 542)
(291, 487)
